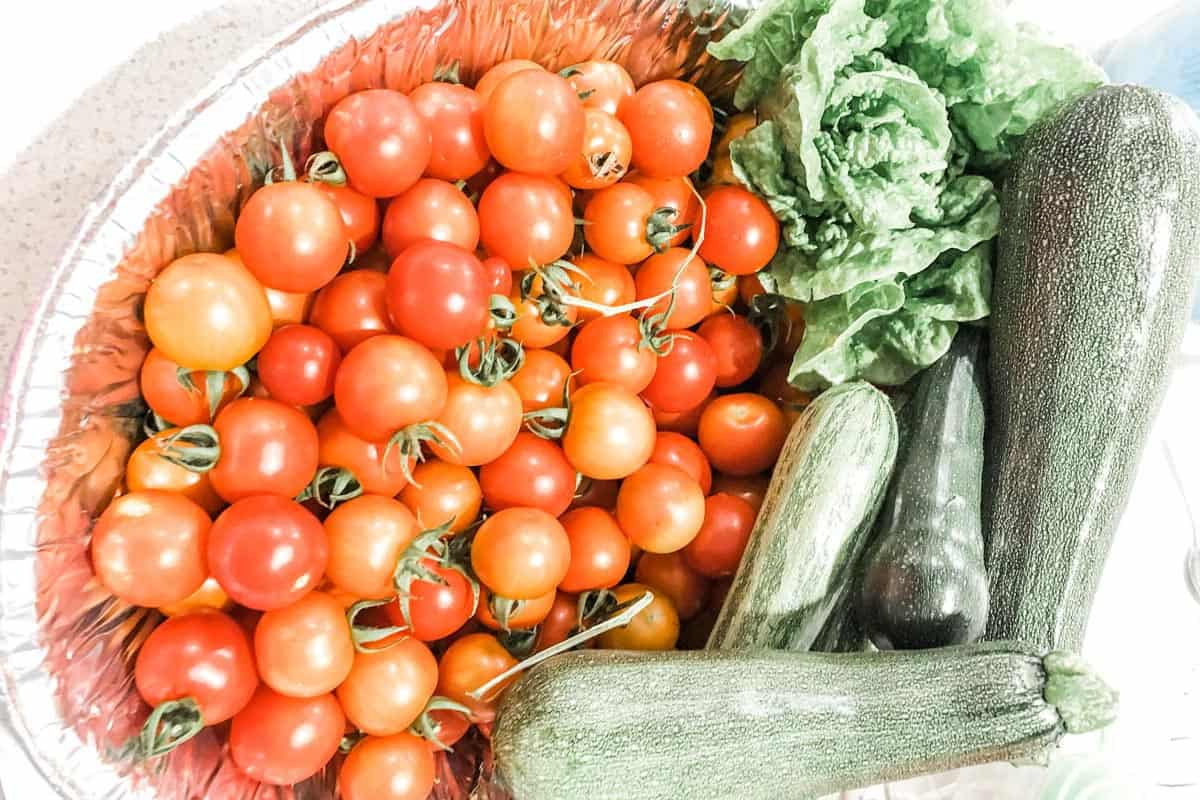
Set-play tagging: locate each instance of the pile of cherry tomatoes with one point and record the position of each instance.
(488, 369)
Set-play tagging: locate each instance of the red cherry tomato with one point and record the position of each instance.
(360, 214)
(660, 508)
(353, 307)
(387, 383)
(693, 288)
(497, 276)
(435, 609)
(600, 551)
(742, 434)
(338, 446)
(430, 209)
(612, 349)
(737, 345)
(603, 282)
(436, 294)
(751, 488)
(717, 549)
(742, 233)
(671, 124)
(534, 123)
(533, 472)
(602, 85)
(399, 767)
(267, 447)
(680, 451)
(298, 363)
(281, 740)
(291, 237)
(559, 623)
(525, 219)
(673, 193)
(204, 656)
(484, 421)
(171, 400)
(499, 72)
(541, 380)
(267, 552)
(520, 553)
(381, 140)
(304, 650)
(618, 220)
(685, 422)
(454, 116)
(685, 376)
(605, 155)
(449, 727)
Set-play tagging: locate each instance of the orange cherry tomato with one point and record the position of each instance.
(454, 116)
(521, 553)
(685, 422)
(360, 214)
(498, 72)
(534, 123)
(148, 469)
(469, 663)
(600, 550)
(430, 209)
(484, 421)
(443, 494)
(353, 307)
(381, 140)
(338, 446)
(604, 283)
(693, 289)
(610, 433)
(387, 689)
(602, 85)
(530, 329)
(399, 767)
(660, 508)
(304, 650)
(210, 595)
(367, 536)
(291, 236)
(669, 573)
(387, 383)
(680, 451)
(656, 627)
(675, 193)
(530, 613)
(170, 399)
(612, 350)
(742, 434)
(606, 152)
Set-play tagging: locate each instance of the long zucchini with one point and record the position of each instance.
(924, 583)
(1099, 241)
(718, 725)
(813, 526)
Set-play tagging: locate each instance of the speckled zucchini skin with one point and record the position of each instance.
(1099, 242)
(923, 582)
(606, 725)
(828, 484)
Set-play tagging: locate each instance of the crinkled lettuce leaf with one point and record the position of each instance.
(877, 119)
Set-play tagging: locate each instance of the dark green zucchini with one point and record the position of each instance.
(923, 581)
(717, 725)
(1099, 242)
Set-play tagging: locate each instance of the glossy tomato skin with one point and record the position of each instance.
(530, 613)
(671, 124)
(148, 548)
(388, 688)
(267, 552)
(531, 330)
(737, 345)
(675, 193)
(751, 488)
(281, 740)
(436, 294)
(338, 446)
(742, 233)
(443, 494)
(497, 276)
(207, 312)
(680, 451)
(147, 469)
(430, 209)
(353, 307)
(534, 123)
(525, 219)
(541, 380)
(685, 375)
(304, 650)
(610, 433)
(291, 237)
(611, 349)
(604, 282)
(656, 627)
(617, 218)
(533, 473)
(520, 553)
(600, 551)
(298, 363)
(497, 73)
(605, 155)
(360, 214)
(289, 308)
(742, 434)
(559, 623)
(387, 383)
(381, 140)
(484, 420)
(210, 596)
(603, 85)
(685, 422)
(367, 536)
(454, 116)
(717, 549)
(467, 664)
(167, 397)
(267, 447)
(205, 656)
(435, 609)
(669, 574)
(660, 508)
(693, 288)
(399, 767)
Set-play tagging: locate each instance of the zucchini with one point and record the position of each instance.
(1099, 241)
(924, 583)
(813, 526)
(711, 725)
